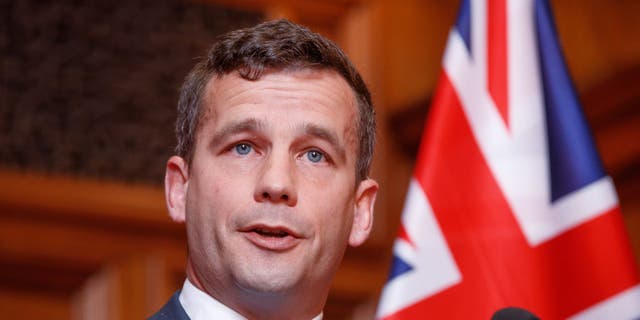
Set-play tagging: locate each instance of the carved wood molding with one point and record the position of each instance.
(57, 232)
(55, 197)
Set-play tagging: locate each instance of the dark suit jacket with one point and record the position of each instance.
(172, 310)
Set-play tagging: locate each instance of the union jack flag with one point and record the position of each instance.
(509, 204)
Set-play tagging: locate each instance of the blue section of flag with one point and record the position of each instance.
(463, 23)
(398, 267)
(573, 160)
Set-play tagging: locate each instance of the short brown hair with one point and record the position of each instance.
(273, 45)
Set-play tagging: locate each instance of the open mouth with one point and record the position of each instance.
(275, 233)
(272, 238)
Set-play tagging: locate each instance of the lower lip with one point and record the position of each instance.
(272, 243)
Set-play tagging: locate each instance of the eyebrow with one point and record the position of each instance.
(326, 135)
(255, 125)
(248, 125)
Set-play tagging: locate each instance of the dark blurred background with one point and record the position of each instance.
(87, 103)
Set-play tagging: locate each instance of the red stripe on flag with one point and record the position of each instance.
(554, 280)
(497, 58)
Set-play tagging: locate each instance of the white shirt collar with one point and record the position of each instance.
(201, 306)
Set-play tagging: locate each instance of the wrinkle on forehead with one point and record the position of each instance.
(213, 89)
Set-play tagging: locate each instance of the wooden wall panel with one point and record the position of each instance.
(67, 243)
(17, 304)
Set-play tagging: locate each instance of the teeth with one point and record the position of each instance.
(270, 233)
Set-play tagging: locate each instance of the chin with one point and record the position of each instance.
(267, 281)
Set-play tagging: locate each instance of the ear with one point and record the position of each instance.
(363, 214)
(176, 183)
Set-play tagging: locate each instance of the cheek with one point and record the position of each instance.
(203, 201)
(212, 186)
(221, 196)
(208, 209)
(333, 236)
(334, 217)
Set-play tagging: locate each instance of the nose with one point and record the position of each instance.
(276, 181)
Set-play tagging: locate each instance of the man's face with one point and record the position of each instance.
(270, 200)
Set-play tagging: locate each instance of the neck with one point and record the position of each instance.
(279, 306)
(251, 304)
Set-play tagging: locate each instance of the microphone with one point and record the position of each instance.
(513, 313)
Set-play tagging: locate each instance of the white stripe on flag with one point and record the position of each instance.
(433, 266)
(623, 305)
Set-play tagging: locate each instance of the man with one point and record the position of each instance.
(275, 137)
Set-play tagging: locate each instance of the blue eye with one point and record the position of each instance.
(315, 156)
(243, 148)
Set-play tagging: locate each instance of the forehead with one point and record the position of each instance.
(284, 83)
(320, 95)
